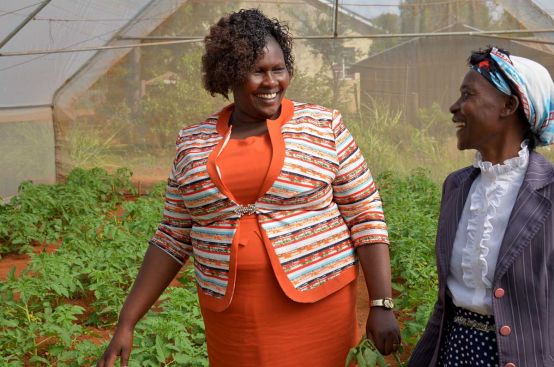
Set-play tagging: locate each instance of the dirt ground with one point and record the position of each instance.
(20, 261)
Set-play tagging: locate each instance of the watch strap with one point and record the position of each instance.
(386, 303)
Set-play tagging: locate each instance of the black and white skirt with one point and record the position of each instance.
(469, 341)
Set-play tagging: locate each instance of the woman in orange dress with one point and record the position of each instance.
(275, 203)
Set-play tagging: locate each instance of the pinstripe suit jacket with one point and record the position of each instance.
(525, 270)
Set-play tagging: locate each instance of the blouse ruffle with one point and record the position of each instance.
(484, 203)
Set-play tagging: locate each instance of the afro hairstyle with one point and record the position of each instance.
(234, 44)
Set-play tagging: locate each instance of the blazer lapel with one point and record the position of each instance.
(528, 215)
(451, 211)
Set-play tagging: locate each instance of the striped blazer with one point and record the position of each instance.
(523, 285)
(317, 204)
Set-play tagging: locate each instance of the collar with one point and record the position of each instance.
(287, 111)
(518, 163)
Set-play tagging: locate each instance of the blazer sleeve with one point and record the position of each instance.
(173, 233)
(354, 190)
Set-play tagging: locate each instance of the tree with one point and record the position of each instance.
(330, 52)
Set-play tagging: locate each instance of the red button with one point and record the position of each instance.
(510, 365)
(505, 330)
(499, 293)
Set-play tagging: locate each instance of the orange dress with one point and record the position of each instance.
(262, 327)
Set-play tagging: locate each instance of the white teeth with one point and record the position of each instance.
(460, 125)
(267, 95)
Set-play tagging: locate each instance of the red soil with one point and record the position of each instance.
(143, 180)
(20, 261)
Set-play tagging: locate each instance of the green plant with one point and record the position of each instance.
(33, 324)
(166, 108)
(365, 354)
(40, 213)
(386, 137)
(411, 207)
(42, 318)
(175, 335)
(89, 147)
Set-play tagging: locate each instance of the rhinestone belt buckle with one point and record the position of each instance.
(241, 210)
(460, 320)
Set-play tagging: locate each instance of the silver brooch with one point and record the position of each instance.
(241, 210)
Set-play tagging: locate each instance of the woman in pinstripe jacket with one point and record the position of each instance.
(276, 205)
(495, 240)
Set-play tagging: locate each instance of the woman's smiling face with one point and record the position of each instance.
(259, 97)
(477, 114)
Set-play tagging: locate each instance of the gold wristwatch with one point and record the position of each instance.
(386, 303)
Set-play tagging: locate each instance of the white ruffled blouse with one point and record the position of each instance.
(481, 230)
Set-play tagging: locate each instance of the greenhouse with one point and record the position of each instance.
(93, 95)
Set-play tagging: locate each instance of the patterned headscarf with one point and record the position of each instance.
(530, 82)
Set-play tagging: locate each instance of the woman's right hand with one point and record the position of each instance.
(120, 345)
(156, 272)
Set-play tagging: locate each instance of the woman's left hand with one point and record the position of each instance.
(382, 328)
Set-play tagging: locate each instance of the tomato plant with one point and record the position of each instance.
(59, 310)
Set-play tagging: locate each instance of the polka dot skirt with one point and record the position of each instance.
(469, 341)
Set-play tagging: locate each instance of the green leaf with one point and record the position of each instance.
(160, 350)
(361, 360)
(350, 357)
(39, 359)
(381, 361)
(370, 357)
(182, 358)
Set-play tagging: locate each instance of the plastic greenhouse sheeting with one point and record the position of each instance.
(124, 107)
(32, 80)
(28, 83)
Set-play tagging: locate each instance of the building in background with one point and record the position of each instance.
(426, 70)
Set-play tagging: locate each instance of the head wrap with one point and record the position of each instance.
(530, 82)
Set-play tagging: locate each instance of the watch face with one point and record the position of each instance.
(388, 303)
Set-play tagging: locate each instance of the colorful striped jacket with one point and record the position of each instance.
(317, 204)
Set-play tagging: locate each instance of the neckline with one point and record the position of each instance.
(277, 146)
(509, 165)
(287, 111)
(250, 138)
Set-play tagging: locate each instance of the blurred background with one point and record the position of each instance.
(74, 93)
